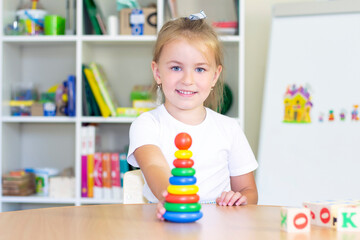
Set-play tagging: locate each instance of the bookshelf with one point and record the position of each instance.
(48, 60)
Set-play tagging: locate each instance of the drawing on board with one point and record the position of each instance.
(297, 105)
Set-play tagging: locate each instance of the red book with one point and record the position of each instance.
(98, 184)
(115, 175)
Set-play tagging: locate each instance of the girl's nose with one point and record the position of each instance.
(188, 78)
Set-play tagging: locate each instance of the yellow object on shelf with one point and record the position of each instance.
(130, 112)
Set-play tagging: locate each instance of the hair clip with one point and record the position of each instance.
(197, 16)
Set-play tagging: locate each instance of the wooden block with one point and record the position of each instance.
(324, 213)
(348, 218)
(295, 219)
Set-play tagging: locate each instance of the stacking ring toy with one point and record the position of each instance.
(183, 154)
(183, 163)
(183, 141)
(183, 172)
(182, 207)
(183, 190)
(182, 198)
(182, 180)
(182, 217)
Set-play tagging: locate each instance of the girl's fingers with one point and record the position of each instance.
(234, 199)
(220, 199)
(228, 197)
(241, 201)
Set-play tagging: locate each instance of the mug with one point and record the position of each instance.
(54, 25)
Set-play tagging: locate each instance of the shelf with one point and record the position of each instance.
(31, 119)
(97, 38)
(37, 199)
(119, 38)
(39, 39)
(100, 201)
(108, 120)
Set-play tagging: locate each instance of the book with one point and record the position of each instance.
(115, 176)
(90, 175)
(104, 109)
(92, 10)
(91, 139)
(124, 167)
(87, 26)
(84, 186)
(85, 105)
(106, 175)
(92, 106)
(71, 95)
(98, 183)
(84, 152)
(104, 86)
(101, 23)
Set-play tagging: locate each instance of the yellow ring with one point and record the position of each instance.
(183, 154)
(183, 189)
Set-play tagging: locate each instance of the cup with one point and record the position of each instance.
(54, 25)
(32, 20)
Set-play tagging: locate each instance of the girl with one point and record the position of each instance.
(186, 66)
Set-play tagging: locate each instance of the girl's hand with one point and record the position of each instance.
(231, 199)
(160, 207)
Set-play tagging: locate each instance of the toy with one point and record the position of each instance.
(331, 115)
(325, 213)
(295, 219)
(181, 203)
(354, 113)
(348, 219)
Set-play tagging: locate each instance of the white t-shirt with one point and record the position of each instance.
(219, 146)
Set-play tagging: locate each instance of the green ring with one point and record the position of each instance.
(183, 172)
(182, 207)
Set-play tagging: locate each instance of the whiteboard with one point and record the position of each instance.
(316, 45)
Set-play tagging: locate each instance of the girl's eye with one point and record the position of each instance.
(176, 68)
(200, 70)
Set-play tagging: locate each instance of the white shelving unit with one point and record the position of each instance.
(48, 60)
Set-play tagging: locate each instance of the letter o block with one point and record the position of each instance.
(295, 219)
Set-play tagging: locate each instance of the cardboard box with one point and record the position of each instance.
(37, 109)
(149, 19)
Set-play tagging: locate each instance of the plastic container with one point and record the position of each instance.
(33, 20)
(20, 108)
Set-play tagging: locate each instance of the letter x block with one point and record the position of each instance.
(295, 219)
(348, 219)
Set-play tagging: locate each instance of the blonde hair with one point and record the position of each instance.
(202, 33)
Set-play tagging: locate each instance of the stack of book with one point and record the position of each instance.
(98, 97)
(101, 172)
(18, 183)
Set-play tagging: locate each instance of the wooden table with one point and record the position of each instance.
(139, 222)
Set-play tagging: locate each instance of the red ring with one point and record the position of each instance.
(172, 198)
(183, 163)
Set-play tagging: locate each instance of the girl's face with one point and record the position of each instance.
(186, 74)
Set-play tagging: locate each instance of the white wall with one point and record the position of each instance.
(257, 30)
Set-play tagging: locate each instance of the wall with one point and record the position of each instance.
(257, 30)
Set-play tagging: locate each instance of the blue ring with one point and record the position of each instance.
(182, 180)
(181, 217)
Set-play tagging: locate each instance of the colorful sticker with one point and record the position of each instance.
(297, 105)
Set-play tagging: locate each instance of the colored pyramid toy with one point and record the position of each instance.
(181, 203)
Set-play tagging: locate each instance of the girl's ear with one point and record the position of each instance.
(217, 74)
(156, 73)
